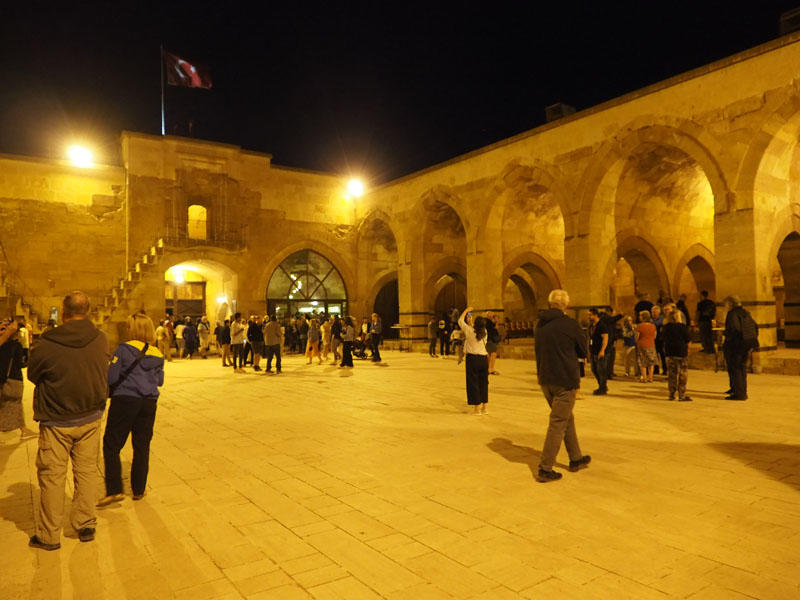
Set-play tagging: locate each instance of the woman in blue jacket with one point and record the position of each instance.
(134, 376)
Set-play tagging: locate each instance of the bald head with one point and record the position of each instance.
(75, 306)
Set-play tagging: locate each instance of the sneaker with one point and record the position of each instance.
(139, 496)
(599, 392)
(685, 399)
(581, 463)
(110, 499)
(86, 534)
(35, 542)
(671, 398)
(545, 476)
(256, 368)
(732, 397)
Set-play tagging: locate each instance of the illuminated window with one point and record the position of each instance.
(306, 282)
(198, 222)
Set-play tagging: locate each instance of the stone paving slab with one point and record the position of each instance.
(376, 482)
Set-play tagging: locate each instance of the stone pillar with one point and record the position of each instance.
(585, 266)
(737, 246)
(414, 314)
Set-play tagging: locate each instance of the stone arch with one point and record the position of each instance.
(333, 256)
(434, 284)
(525, 256)
(528, 278)
(768, 154)
(379, 288)
(441, 194)
(380, 215)
(700, 262)
(606, 168)
(644, 260)
(788, 257)
(518, 174)
(216, 269)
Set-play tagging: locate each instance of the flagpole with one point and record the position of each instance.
(163, 90)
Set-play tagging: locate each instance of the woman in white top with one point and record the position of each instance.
(477, 367)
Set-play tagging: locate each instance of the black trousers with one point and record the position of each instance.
(444, 345)
(736, 360)
(375, 343)
(432, 347)
(477, 371)
(706, 337)
(347, 354)
(611, 357)
(237, 353)
(135, 416)
(600, 371)
(274, 351)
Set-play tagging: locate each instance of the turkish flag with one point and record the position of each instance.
(182, 73)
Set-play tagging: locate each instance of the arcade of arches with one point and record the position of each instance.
(692, 184)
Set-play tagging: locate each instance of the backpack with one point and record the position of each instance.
(749, 330)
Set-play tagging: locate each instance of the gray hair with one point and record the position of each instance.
(558, 298)
(76, 304)
(733, 300)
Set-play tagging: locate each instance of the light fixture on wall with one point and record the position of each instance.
(223, 299)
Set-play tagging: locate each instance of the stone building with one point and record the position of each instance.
(686, 185)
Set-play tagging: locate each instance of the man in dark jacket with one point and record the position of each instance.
(69, 367)
(736, 348)
(560, 343)
(706, 311)
(600, 337)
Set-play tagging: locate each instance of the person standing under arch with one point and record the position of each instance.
(477, 367)
(375, 331)
(706, 311)
(348, 337)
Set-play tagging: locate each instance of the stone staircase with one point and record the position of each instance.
(14, 304)
(117, 306)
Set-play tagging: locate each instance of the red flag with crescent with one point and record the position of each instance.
(182, 73)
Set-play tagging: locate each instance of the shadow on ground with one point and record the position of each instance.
(779, 461)
(17, 506)
(518, 454)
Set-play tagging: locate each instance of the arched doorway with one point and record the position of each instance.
(306, 283)
(638, 271)
(526, 292)
(697, 276)
(788, 311)
(387, 306)
(200, 287)
(451, 291)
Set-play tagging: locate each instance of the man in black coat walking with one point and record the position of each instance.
(560, 343)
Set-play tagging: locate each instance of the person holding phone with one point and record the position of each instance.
(477, 367)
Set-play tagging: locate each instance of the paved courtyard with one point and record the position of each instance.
(376, 483)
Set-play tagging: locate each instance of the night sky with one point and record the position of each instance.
(377, 88)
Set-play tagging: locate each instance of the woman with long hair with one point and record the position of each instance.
(134, 376)
(477, 367)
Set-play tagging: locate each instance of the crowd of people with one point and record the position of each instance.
(244, 341)
(69, 403)
(656, 337)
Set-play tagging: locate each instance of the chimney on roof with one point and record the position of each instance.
(790, 21)
(557, 111)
